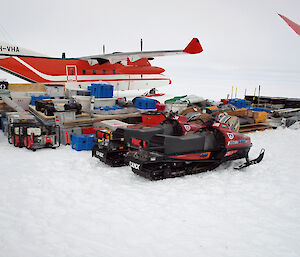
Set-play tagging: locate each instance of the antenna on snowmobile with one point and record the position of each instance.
(103, 49)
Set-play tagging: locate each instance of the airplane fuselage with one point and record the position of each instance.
(58, 70)
(125, 71)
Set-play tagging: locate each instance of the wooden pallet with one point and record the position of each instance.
(50, 120)
(98, 118)
(247, 128)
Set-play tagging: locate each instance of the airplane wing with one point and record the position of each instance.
(194, 47)
(292, 24)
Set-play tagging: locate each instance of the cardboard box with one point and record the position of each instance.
(33, 87)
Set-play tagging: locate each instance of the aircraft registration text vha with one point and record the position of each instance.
(13, 49)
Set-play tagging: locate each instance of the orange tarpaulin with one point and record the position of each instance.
(292, 24)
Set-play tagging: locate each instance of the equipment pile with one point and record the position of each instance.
(183, 135)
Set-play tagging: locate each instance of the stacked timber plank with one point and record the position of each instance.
(247, 128)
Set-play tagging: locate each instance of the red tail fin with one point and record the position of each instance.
(193, 47)
(292, 24)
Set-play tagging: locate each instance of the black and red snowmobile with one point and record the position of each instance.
(167, 156)
(175, 147)
(112, 146)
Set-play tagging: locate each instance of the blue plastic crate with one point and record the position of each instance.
(145, 103)
(40, 97)
(83, 142)
(2, 121)
(238, 103)
(107, 108)
(258, 109)
(102, 90)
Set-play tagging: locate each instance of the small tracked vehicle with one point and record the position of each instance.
(176, 147)
(172, 156)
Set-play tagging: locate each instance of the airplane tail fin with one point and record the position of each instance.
(194, 47)
(292, 24)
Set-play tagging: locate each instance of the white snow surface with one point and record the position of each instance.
(67, 203)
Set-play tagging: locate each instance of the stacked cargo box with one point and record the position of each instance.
(102, 90)
(102, 101)
(145, 103)
(83, 142)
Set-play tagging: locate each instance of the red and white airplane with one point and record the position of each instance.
(124, 71)
(292, 24)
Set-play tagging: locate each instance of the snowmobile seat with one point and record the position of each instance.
(179, 144)
(142, 134)
(210, 141)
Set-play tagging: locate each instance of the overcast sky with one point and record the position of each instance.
(235, 35)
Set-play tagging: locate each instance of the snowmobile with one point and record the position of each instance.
(169, 156)
(112, 146)
(162, 151)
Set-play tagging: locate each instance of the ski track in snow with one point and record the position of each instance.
(66, 203)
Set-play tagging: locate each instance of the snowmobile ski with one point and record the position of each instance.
(254, 161)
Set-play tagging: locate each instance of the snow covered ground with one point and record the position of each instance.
(66, 203)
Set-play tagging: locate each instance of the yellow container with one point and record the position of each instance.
(259, 116)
